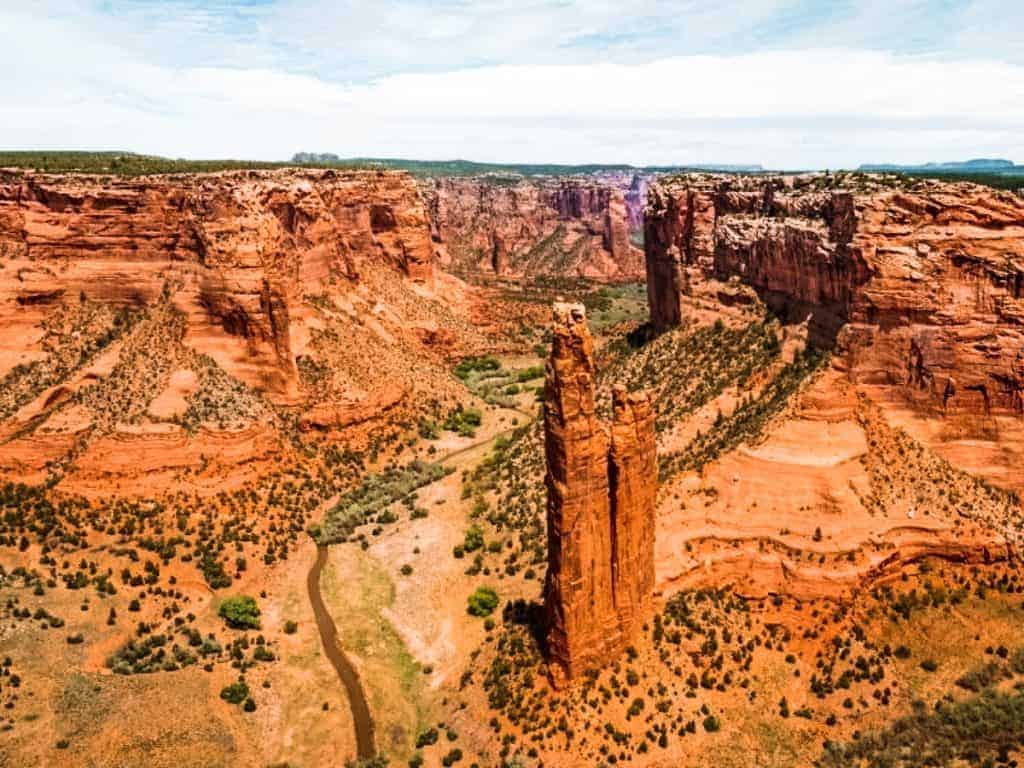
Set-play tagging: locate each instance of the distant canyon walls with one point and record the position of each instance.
(917, 285)
(600, 512)
(237, 251)
(570, 227)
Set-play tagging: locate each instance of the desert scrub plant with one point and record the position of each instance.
(476, 364)
(474, 539)
(374, 496)
(977, 731)
(482, 602)
(240, 612)
(236, 692)
(463, 421)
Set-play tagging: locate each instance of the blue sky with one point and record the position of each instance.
(785, 83)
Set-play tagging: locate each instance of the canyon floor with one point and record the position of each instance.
(837, 575)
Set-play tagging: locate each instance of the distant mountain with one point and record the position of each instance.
(981, 165)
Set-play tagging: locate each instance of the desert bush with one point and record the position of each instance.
(483, 601)
(240, 612)
(236, 692)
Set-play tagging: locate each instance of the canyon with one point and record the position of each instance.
(487, 511)
(214, 298)
(919, 286)
(539, 226)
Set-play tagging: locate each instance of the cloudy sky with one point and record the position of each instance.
(784, 83)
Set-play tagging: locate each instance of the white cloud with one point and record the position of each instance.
(87, 81)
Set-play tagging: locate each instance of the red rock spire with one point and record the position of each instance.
(600, 508)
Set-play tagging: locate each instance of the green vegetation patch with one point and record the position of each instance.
(240, 612)
(131, 164)
(747, 422)
(373, 497)
(482, 602)
(976, 731)
(686, 368)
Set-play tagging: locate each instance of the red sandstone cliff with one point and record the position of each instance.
(600, 508)
(563, 227)
(237, 250)
(920, 285)
(145, 322)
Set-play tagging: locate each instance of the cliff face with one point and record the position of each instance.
(236, 251)
(919, 287)
(148, 322)
(600, 508)
(633, 478)
(567, 227)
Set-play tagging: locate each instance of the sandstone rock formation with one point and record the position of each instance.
(201, 309)
(237, 251)
(600, 507)
(918, 285)
(633, 472)
(563, 227)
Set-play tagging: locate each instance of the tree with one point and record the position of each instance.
(235, 693)
(240, 612)
(474, 539)
(483, 601)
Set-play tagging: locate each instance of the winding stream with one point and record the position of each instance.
(361, 717)
(346, 672)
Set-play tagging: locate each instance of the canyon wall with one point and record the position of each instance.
(600, 508)
(574, 227)
(917, 285)
(235, 251)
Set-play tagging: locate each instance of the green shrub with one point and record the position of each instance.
(982, 677)
(426, 738)
(528, 374)
(235, 693)
(474, 539)
(468, 366)
(483, 602)
(240, 612)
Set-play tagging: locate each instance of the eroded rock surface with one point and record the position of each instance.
(918, 286)
(236, 250)
(633, 472)
(527, 227)
(600, 507)
(163, 310)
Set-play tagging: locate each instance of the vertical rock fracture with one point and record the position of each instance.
(600, 507)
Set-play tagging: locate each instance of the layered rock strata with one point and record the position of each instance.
(577, 227)
(236, 252)
(918, 286)
(600, 508)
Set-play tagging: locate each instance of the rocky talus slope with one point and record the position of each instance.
(600, 506)
(538, 227)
